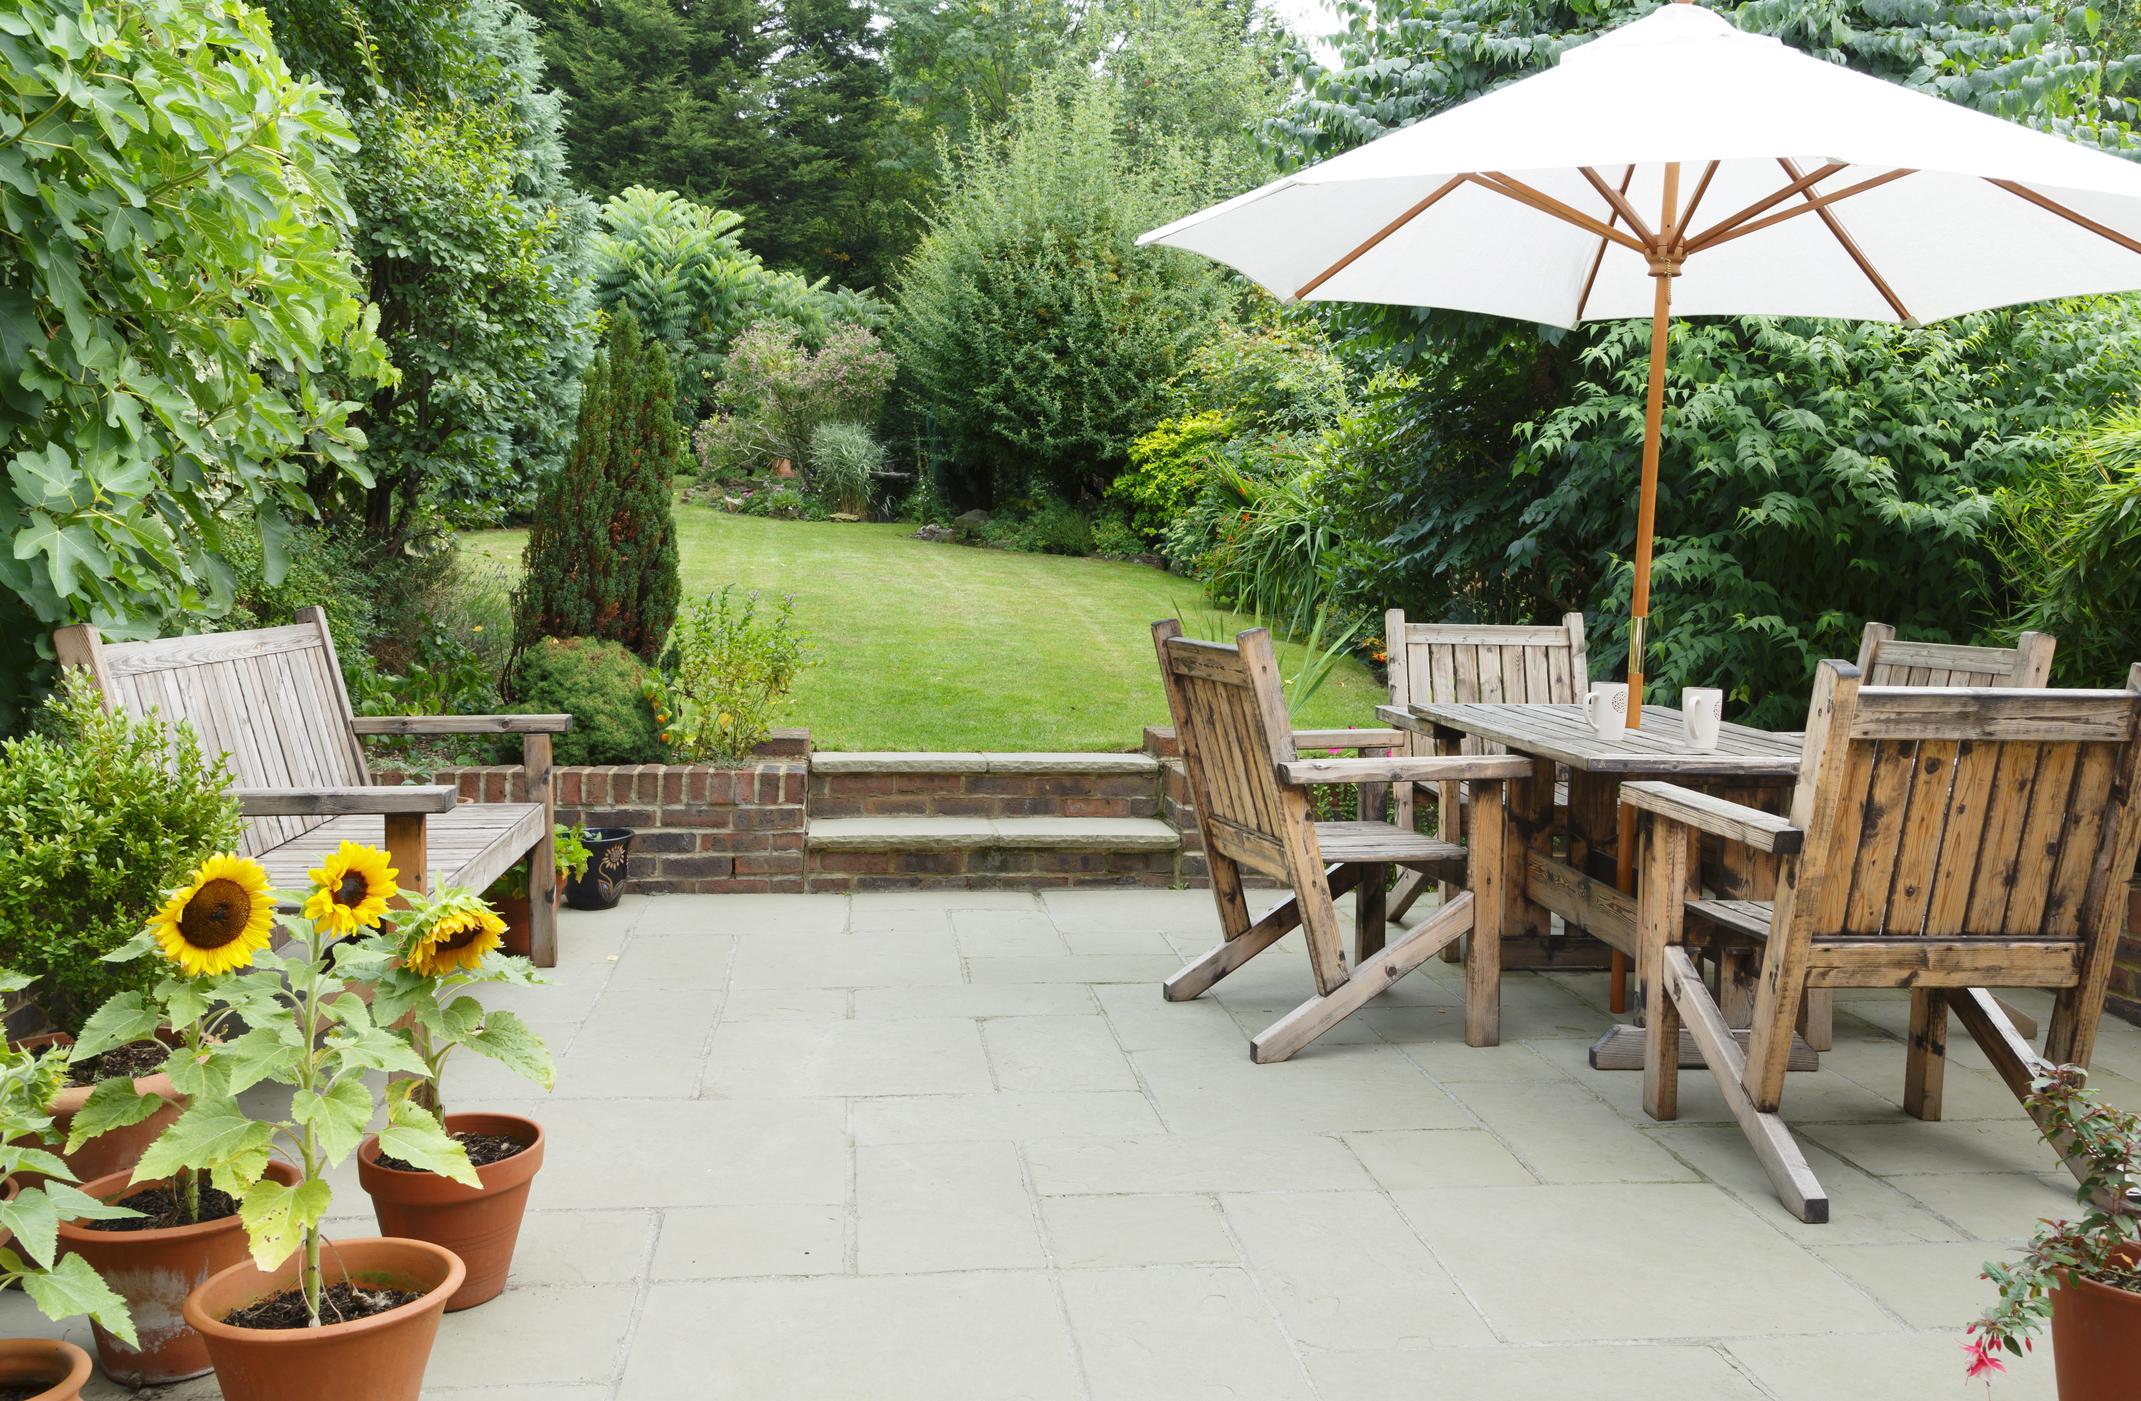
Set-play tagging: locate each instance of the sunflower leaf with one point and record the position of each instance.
(276, 1216)
(113, 1104)
(124, 1018)
(35, 1222)
(73, 1287)
(510, 1041)
(372, 1048)
(211, 1133)
(416, 1137)
(269, 1052)
(337, 1118)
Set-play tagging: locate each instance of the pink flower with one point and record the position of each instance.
(1984, 1357)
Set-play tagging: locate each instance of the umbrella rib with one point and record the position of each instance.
(1598, 259)
(1619, 200)
(1687, 215)
(1733, 220)
(2046, 202)
(1814, 205)
(1546, 204)
(1379, 235)
(1850, 246)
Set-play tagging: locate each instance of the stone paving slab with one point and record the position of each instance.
(955, 1146)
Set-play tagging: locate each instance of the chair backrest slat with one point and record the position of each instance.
(1887, 660)
(1462, 663)
(1989, 812)
(269, 699)
(1231, 723)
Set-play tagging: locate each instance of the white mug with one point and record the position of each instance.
(1605, 707)
(1702, 711)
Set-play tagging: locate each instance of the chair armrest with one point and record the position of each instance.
(1764, 831)
(1349, 739)
(1448, 768)
(338, 802)
(461, 724)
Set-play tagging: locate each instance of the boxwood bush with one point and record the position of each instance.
(598, 683)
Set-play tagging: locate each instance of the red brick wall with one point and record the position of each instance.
(982, 795)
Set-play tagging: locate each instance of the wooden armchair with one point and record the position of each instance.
(1940, 839)
(1251, 792)
(271, 701)
(1885, 660)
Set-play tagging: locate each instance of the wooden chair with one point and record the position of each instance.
(1251, 792)
(1942, 840)
(1885, 661)
(271, 700)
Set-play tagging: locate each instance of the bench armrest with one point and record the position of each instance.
(1764, 831)
(383, 800)
(1448, 768)
(461, 724)
(1349, 739)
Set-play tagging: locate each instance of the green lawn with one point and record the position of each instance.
(921, 646)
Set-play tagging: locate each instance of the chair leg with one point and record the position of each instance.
(1369, 917)
(1926, 1062)
(1449, 827)
(1197, 977)
(1817, 1019)
(1661, 928)
(1661, 1051)
(1486, 872)
(1319, 1014)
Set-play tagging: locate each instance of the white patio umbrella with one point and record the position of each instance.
(1678, 149)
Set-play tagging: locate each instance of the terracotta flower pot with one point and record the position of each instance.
(63, 1367)
(2096, 1336)
(381, 1358)
(518, 913)
(154, 1271)
(479, 1224)
(121, 1148)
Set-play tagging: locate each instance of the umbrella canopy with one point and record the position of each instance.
(1679, 163)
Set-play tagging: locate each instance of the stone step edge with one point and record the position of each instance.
(870, 761)
(979, 833)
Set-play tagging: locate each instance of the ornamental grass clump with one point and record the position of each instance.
(306, 1027)
(2100, 1247)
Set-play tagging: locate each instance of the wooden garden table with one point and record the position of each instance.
(1590, 881)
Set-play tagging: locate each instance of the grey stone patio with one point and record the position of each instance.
(956, 1146)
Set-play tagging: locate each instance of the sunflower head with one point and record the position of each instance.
(220, 921)
(457, 938)
(352, 888)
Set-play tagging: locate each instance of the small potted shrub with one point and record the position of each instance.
(302, 1320)
(100, 817)
(179, 1229)
(420, 966)
(2084, 1276)
(61, 1286)
(509, 896)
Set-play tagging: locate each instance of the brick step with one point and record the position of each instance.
(967, 853)
(983, 786)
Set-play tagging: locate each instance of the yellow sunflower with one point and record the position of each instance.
(220, 921)
(457, 940)
(354, 886)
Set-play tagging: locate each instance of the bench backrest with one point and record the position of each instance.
(1987, 813)
(270, 699)
(1229, 710)
(1464, 663)
(1887, 660)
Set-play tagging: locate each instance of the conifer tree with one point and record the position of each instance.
(601, 559)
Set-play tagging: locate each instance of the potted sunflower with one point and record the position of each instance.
(300, 1318)
(179, 1229)
(421, 965)
(509, 895)
(61, 1286)
(2084, 1276)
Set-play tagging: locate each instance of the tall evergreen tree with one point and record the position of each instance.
(601, 559)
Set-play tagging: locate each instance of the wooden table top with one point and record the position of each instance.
(1560, 733)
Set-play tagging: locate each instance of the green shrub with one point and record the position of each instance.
(776, 390)
(601, 559)
(722, 679)
(598, 683)
(1280, 378)
(101, 817)
(1169, 467)
(1113, 538)
(1035, 338)
(2070, 543)
(845, 462)
(1049, 527)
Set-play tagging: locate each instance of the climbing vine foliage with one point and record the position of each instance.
(174, 291)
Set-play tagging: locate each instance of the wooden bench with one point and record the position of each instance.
(271, 701)
(1251, 791)
(1945, 840)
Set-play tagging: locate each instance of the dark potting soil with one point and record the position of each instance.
(15, 1391)
(483, 1150)
(160, 1208)
(342, 1303)
(132, 1060)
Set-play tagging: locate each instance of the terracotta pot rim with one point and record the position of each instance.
(70, 1100)
(270, 1337)
(60, 1350)
(506, 1172)
(114, 1185)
